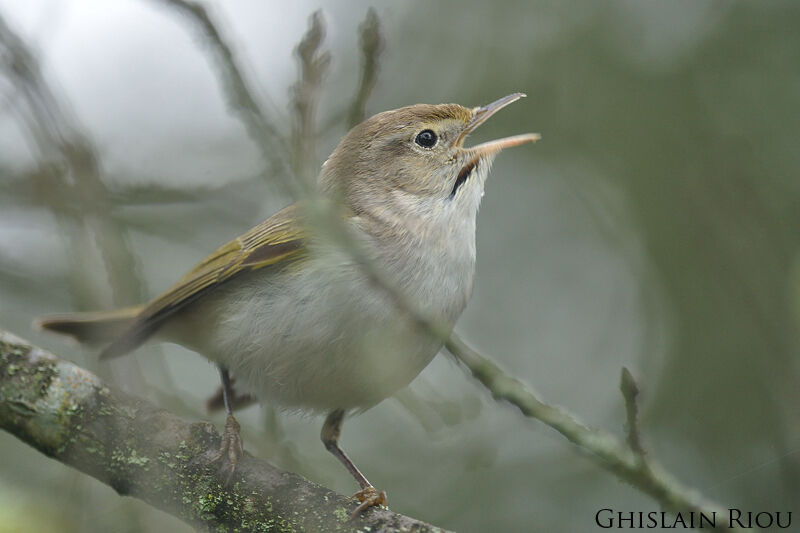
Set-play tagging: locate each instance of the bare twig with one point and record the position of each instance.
(613, 454)
(139, 450)
(630, 391)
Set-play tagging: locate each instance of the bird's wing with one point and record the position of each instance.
(277, 240)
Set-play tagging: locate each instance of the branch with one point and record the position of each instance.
(625, 460)
(139, 450)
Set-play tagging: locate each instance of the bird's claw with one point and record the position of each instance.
(369, 497)
(230, 450)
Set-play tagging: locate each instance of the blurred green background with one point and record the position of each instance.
(655, 226)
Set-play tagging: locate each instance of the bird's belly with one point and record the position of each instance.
(317, 341)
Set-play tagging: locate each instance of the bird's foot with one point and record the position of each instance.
(230, 450)
(369, 497)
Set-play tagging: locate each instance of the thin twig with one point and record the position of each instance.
(630, 392)
(314, 63)
(613, 454)
(371, 48)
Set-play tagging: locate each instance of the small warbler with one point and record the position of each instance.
(294, 318)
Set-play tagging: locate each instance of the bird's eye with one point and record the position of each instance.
(426, 138)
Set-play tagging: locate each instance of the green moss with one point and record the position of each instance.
(134, 459)
(9, 353)
(121, 458)
(33, 380)
(208, 502)
(67, 409)
(341, 514)
(127, 411)
(166, 459)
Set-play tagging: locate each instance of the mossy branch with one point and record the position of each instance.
(69, 414)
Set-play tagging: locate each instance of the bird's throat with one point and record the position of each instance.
(464, 174)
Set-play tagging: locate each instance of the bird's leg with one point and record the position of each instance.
(230, 449)
(237, 401)
(369, 496)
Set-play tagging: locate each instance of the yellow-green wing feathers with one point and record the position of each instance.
(275, 241)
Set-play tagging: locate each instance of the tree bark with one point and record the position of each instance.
(146, 452)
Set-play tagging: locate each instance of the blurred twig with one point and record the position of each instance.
(371, 43)
(68, 414)
(68, 178)
(371, 47)
(239, 94)
(314, 62)
(240, 97)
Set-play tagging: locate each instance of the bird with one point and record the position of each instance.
(294, 317)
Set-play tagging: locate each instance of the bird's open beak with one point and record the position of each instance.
(481, 115)
(492, 147)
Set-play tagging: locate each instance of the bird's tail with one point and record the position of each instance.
(94, 328)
